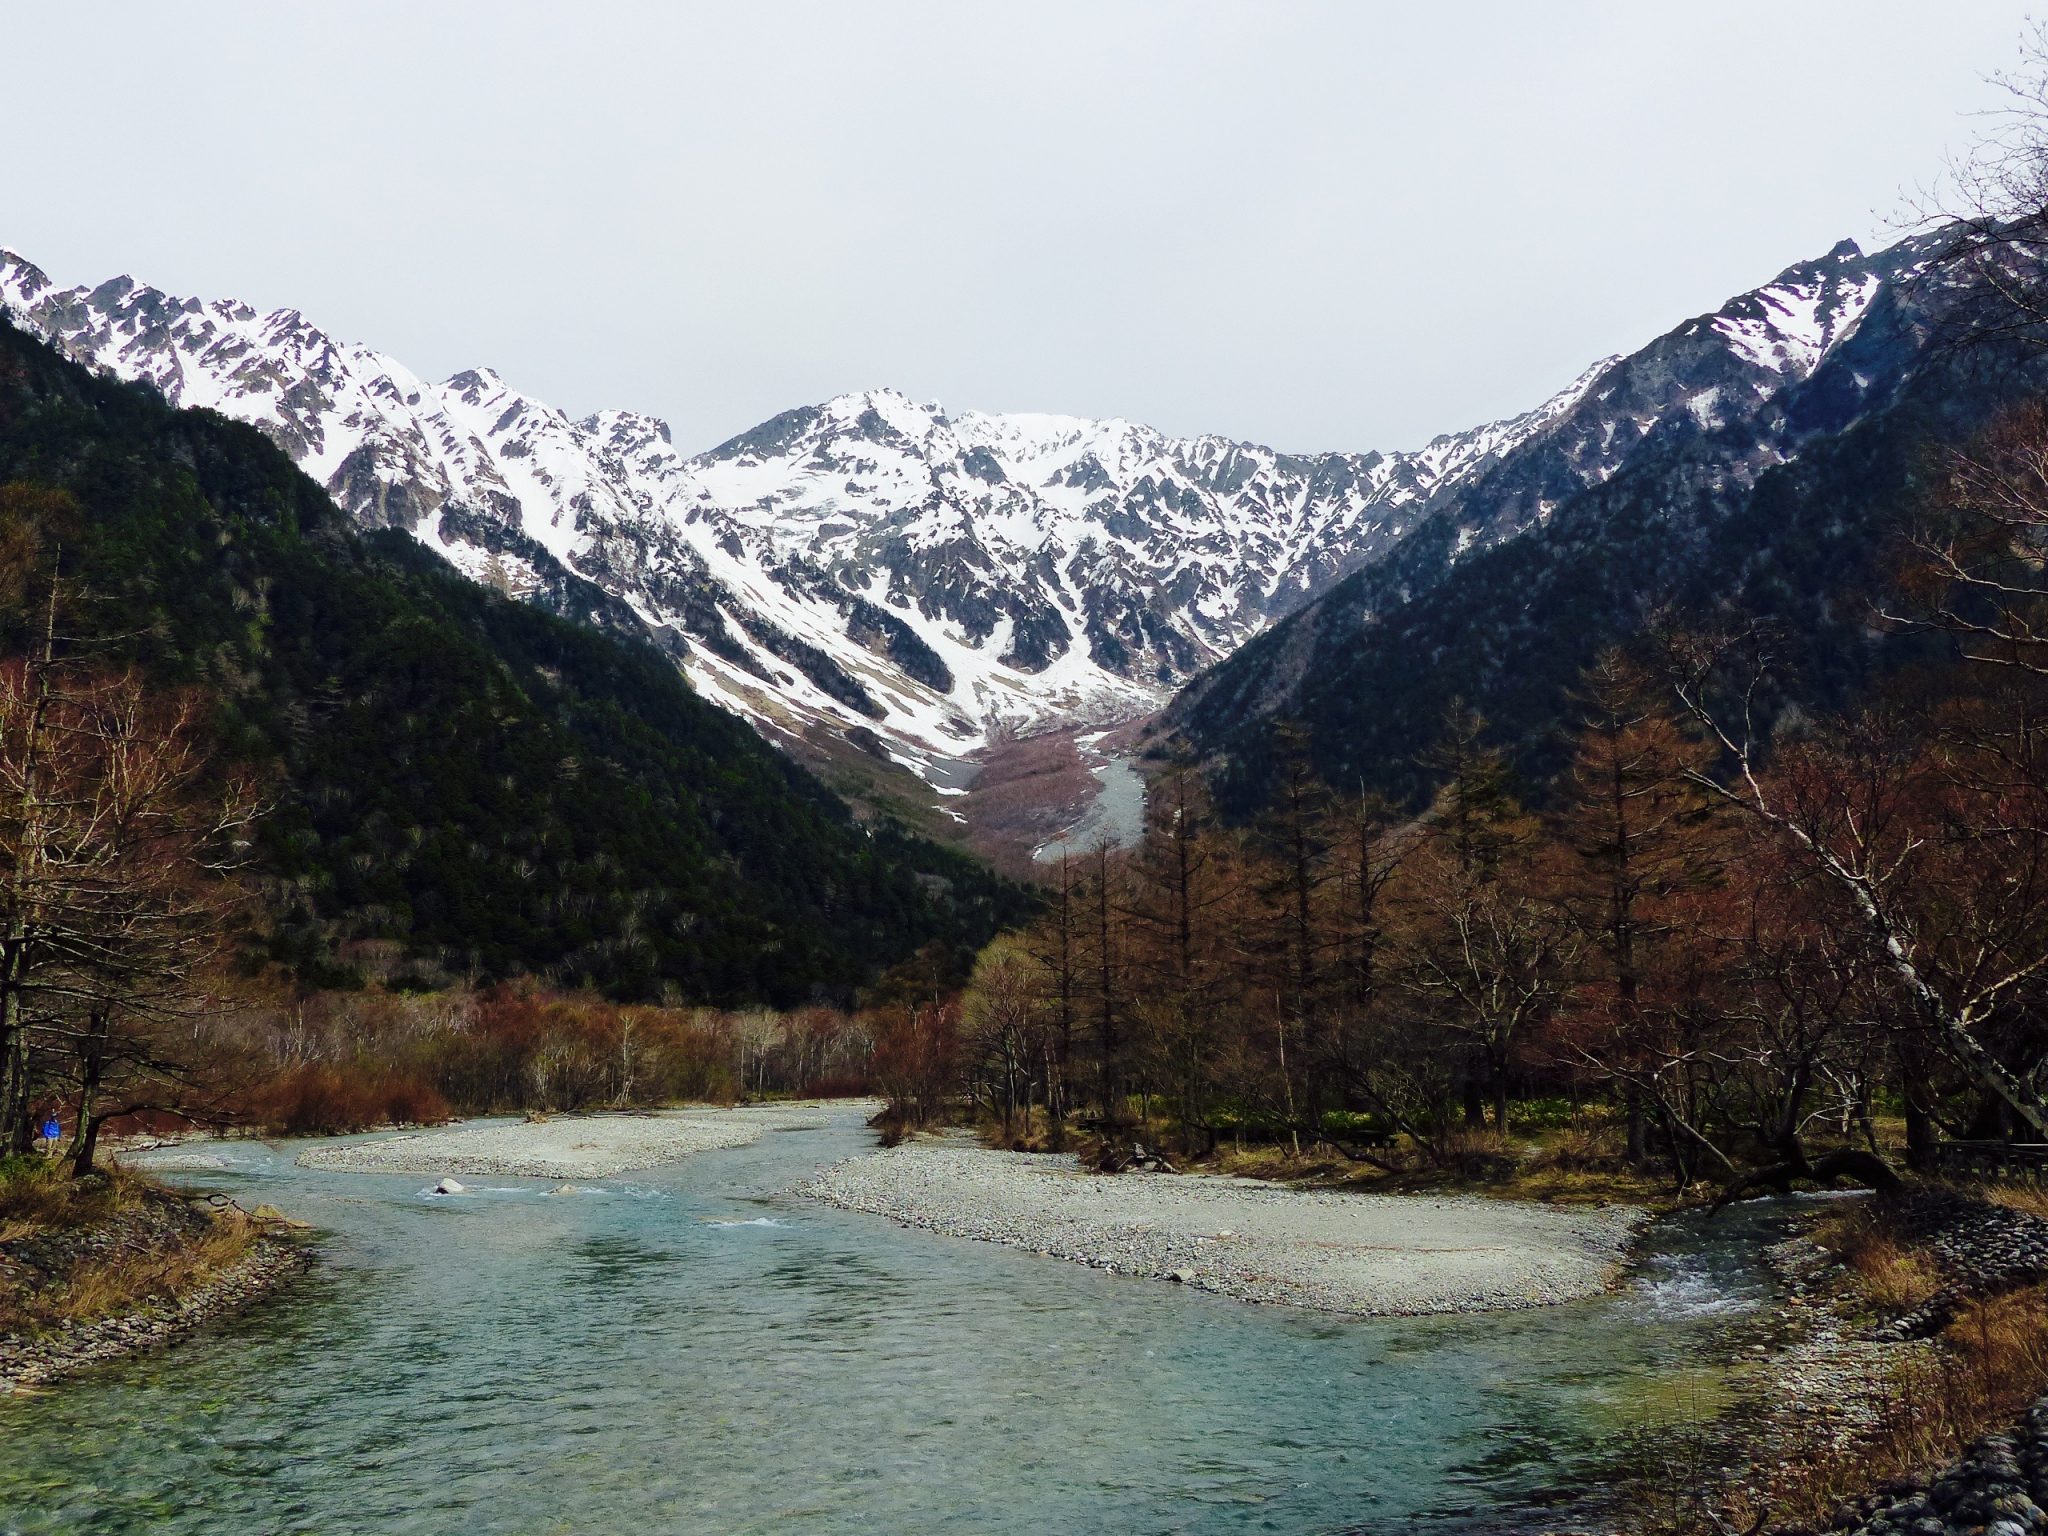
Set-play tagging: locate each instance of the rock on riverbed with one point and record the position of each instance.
(1364, 1254)
(570, 1147)
(1995, 1489)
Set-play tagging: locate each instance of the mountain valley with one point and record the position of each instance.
(881, 584)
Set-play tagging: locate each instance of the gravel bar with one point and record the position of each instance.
(569, 1147)
(1379, 1255)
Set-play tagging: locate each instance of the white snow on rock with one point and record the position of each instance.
(874, 563)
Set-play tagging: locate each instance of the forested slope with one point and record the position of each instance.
(490, 789)
(1692, 531)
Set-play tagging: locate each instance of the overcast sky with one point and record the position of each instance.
(1317, 226)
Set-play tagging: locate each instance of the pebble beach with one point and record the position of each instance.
(568, 1147)
(1337, 1252)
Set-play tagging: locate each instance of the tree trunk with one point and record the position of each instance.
(86, 1146)
(14, 1117)
(1009, 1090)
(1847, 1163)
(17, 1130)
(92, 1058)
(1920, 1135)
(1055, 1097)
(1109, 1080)
(17, 1127)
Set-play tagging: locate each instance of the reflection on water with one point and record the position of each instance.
(716, 1358)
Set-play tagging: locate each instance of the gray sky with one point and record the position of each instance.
(1318, 226)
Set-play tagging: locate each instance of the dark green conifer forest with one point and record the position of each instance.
(491, 789)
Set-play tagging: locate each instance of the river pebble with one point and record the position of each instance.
(569, 1146)
(1338, 1252)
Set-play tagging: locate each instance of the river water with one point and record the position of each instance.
(691, 1350)
(1114, 814)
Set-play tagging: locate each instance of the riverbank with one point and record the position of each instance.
(118, 1265)
(509, 1361)
(1379, 1255)
(1905, 1328)
(573, 1146)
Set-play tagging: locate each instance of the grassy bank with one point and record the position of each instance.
(1979, 1373)
(1563, 1165)
(1920, 1395)
(78, 1251)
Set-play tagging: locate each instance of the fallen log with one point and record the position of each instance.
(1853, 1163)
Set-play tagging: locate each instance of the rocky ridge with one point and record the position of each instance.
(1747, 460)
(910, 578)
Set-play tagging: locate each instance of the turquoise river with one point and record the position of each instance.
(693, 1349)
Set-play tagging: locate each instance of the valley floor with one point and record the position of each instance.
(1357, 1254)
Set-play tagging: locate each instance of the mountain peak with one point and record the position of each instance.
(914, 419)
(1787, 326)
(620, 426)
(475, 379)
(874, 563)
(21, 274)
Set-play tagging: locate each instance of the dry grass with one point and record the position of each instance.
(1987, 1367)
(1577, 1165)
(1980, 1375)
(38, 1194)
(1022, 1136)
(1284, 1165)
(1584, 1163)
(162, 1275)
(73, 1250)
(2024, 1196)
(1887, 1274)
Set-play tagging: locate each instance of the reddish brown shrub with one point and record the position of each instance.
(318, 1099)
(410, 1101)
(844, 1085)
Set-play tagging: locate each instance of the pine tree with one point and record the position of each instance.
(1635, 833)
(1179, 884)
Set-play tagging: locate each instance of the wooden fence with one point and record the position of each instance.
(1995, 1159)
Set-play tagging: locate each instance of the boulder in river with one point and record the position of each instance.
(449, 1187)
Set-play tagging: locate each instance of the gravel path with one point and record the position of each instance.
(569, 1147)
(1362, 1254)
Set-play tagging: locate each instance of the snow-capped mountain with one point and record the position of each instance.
(1734, 372)
(907, 577)
(869, 562)
(1743, 463)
